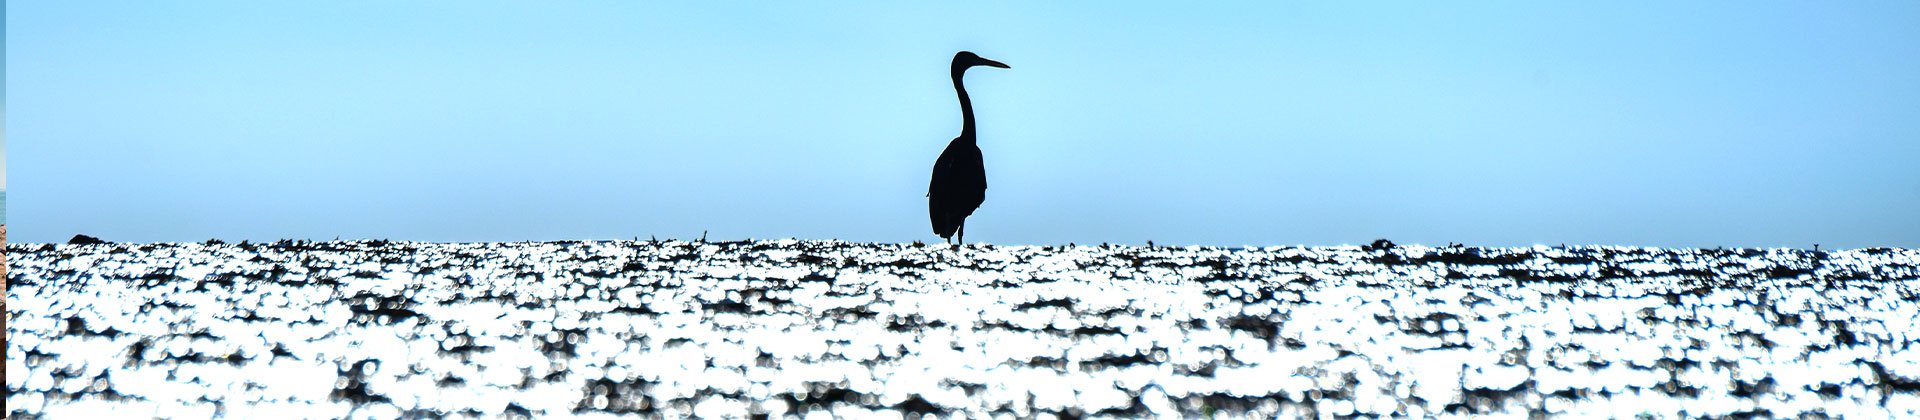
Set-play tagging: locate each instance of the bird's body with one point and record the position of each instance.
(960, 175)
(959, 186)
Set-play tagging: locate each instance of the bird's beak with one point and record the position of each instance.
(991, 63)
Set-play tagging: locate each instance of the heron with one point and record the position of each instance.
(959, 178)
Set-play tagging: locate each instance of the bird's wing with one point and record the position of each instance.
(941, 167)
(979, 164)
(983, 175)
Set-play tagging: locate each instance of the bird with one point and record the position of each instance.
(959, 177)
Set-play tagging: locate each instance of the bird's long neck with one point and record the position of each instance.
(966, 105)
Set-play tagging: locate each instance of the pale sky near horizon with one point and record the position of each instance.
(1713, 123)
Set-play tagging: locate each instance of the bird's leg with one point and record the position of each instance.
(963, 233)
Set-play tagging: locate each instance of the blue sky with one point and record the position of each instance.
(3, 109)
(1499, 123)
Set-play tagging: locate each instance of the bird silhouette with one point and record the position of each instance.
(959, 178)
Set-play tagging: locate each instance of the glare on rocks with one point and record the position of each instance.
(829, 329)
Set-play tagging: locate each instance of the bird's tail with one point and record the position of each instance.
(945, 226)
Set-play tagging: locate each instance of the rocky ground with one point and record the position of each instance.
(3, 285)
(804, 328)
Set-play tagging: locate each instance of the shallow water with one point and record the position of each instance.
(671, 329)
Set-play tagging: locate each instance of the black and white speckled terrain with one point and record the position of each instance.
(386, 329)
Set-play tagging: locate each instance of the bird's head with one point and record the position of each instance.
(965, 59)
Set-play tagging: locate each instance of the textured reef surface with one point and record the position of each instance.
(810, 328)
